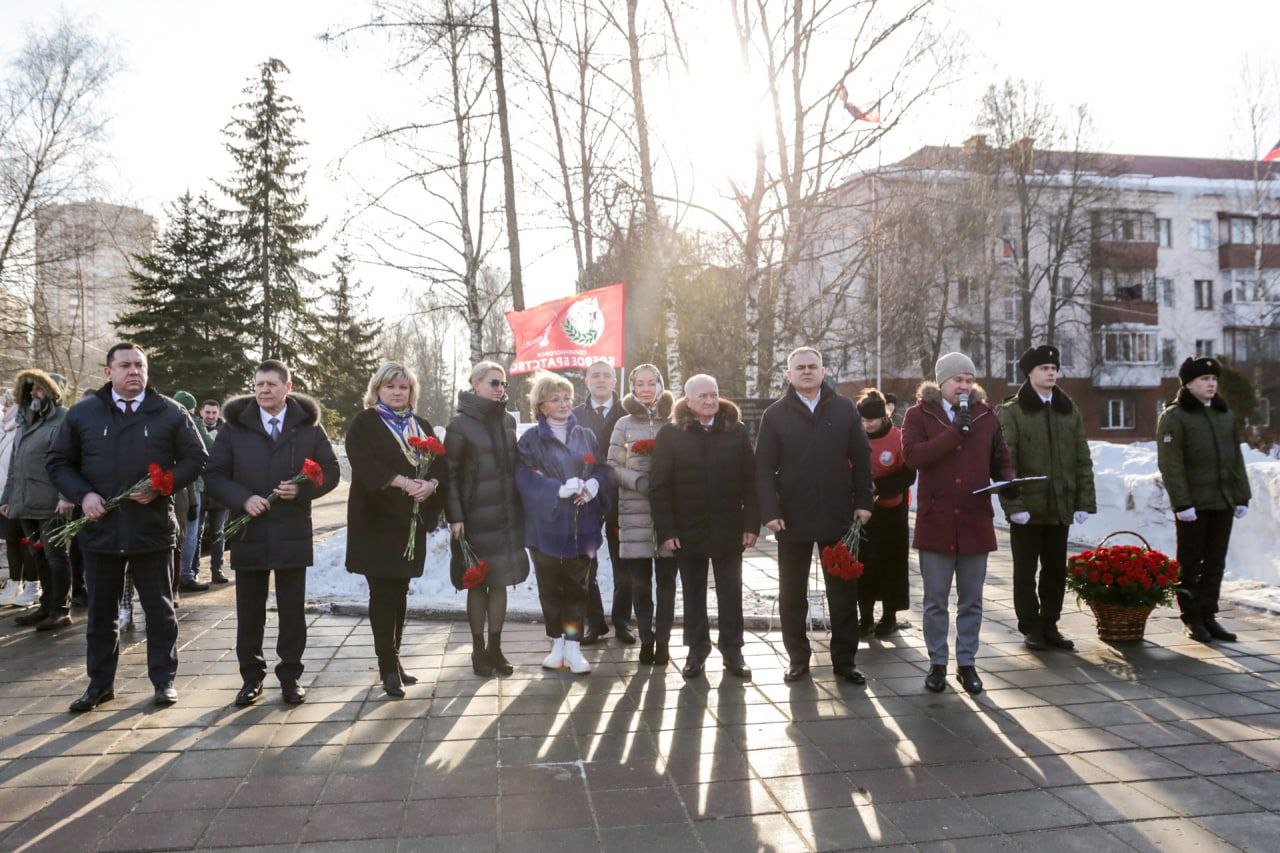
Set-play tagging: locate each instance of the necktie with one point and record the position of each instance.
(601, 410)
(275, 429)
(128, 407)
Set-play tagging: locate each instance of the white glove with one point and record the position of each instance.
(1241, 511)
(571, 487)
(1188, 514)
(1081, 516)
(1020, 517)
(591, 488)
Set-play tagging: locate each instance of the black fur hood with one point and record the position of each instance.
(237, 407)
(1187, 400)
(1030, 401)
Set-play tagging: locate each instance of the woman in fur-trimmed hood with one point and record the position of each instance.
(29, 492)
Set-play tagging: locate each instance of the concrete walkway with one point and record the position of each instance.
(1167, 744)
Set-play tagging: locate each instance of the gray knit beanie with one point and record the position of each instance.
(952, 364)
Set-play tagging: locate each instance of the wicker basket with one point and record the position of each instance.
(1119, 622)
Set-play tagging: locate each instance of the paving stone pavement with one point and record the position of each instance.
(1166, 744)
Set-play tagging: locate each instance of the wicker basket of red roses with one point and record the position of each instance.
(1122, 584)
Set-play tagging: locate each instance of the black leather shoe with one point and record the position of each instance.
(624, 635)
(91, 698)
(735, 664)
(795, 672)
(407, 677)
(391, 683)
(1211, 624)
(887, 627)
(1035, 641)
(166, 695)
(936, 680)
(646, 654)
(189, 585)
(219, 577)
(53, 623)
(35, 617)
(850, 673)
(866, 626)
(1196, 630)
(693, 667)
(591, 636)
(1054, 637)
(294, 693)
(661, 654)
(969, 680)
(249, 694)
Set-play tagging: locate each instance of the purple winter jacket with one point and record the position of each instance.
(544, 464)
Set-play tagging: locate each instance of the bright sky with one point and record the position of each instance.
(1158, 77)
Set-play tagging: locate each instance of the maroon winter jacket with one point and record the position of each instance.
(949, 518)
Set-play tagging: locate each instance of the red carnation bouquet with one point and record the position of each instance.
(311, 472)
(841, 559)
(588, 462)
(427, 449)
(1124, 575)
(476, 570)
(642, 446)
(157, 480)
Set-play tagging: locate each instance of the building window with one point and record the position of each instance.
(1164, 233)
(1271, 231)
(1118, 415)
(1168, 352)
(1204, 347)
(1166, 291)
(1126, 226)
(1124, 346)
(1067, 352)
(1129, 285)
(1010, 309)
(1202, 234)
(1204, 294)
(1247, 287)
(964, 291)
(1010, 360)
(1244, 230)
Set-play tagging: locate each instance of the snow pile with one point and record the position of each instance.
(1131, 496)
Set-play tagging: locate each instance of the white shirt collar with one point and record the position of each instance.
(812, 404)
(266, 419)
(607, 405)
(1044, 399)
(137, 401)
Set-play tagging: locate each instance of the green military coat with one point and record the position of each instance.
(1047, 440)
(1199, 453)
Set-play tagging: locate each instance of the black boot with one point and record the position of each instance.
(646, 654)
(500, 664)
(1196, 630)
(391, 683)
(1215, 629)
(867, 624)
(661, 654)
(888, 624)
(480, 663)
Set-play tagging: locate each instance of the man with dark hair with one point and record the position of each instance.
(263, 445)
(213, 516)
(104, 448)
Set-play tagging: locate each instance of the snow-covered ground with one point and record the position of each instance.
(1131, 496)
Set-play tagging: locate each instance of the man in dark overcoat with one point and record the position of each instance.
(266, 439)
(813, 475)
(103, 449)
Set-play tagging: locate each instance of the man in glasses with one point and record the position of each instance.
(598, 413)
(813, 475)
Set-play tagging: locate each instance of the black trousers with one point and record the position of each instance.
(251, 622)
(104, 579)
(641, 574)
(1043, 546)
(388, 601)
(1202, 553)
(76, 558)
(562, 592)
(884, 553)
(51, 565)
(21, 567)
(620, 613)
(727, 570)
(794, 562)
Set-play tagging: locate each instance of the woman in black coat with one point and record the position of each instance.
(386, 492)
(482, 504)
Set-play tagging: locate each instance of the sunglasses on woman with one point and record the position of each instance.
(497, 383)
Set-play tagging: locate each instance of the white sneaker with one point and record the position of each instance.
(9, 593)
(28, 595)
(573, 658)
(555, 660)
(126, 617)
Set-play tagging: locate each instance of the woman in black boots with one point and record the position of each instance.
(483, 507)
(386, 491)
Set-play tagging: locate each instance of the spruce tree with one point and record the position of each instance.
(346, 348)
(271, 230)
(189, 304)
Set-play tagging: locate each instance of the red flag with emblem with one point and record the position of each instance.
(571, 333)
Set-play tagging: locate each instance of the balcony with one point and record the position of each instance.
(1127, 376)
(1108, 311)
(1125, 255)
(1240, 256)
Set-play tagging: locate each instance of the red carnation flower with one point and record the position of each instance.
(313, 472)
(160, 479)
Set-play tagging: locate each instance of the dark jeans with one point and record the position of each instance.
(1044, 545)
(52, 566)
(251, 622)
(104, 577)
(620, 613)
(210, 524)
(1202, 552)
(388, 600)
(727, 569)
(642, 573)
(794, 562)
(562, 592)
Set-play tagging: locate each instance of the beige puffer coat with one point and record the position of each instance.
(631, 471)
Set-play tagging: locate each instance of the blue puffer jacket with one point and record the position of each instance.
(545, 463)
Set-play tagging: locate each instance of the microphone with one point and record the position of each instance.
(964, 407)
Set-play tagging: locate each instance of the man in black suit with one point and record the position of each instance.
(104, 448)
(598, 413)
(263, 445)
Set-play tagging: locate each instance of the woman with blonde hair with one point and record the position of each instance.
(483, 506)
(648, 409)
(386, 492)
(566, 491)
